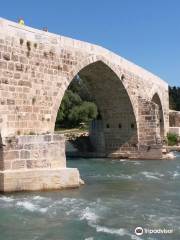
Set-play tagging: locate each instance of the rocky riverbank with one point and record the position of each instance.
(168, 151)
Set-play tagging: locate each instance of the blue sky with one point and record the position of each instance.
(146, 32)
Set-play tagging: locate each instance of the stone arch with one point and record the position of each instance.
(156, 99)
(113, 99)
(85, 62)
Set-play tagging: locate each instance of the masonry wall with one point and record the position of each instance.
(149, 145)
(34, 151)
(35, 162)
(96, 135)
(174, 118)
(174, 122)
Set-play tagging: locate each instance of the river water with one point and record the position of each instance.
(118, 196)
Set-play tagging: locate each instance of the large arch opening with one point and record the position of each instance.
(157, 101)
(114, 131)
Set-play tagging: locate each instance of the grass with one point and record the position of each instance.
(71, 130)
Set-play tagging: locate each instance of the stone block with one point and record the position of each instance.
(11, 66)
(24, 154)
(38, 163)
(6, 56)
(10, 155)
(58, 137)
(39, 179)
(175, 130)
(174, 118)
(3, 65)
(6, 165)
(18, 164)
(10, 101)
(47, 138)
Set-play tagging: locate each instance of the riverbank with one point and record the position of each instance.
(78, 144)
(173, 148)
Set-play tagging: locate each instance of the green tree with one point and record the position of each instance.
(77, 106)
(82, 114)
(174, 98)
(69, 101)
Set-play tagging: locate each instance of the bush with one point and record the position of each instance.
(69, 101)
(172, 139)
(82, 114)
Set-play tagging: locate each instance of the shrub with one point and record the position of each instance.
(82, 114)
(172, 139)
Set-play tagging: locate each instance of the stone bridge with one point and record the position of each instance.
(36, 68)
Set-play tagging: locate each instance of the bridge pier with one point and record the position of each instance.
(35, 162)
(143, 142)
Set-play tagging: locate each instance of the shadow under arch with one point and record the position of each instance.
(117, 130)
(156, 99)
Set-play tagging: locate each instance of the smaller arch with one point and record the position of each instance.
(156, 100)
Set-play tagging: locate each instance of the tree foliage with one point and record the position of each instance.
(82, 113)
(77, 106)
(70, 100)
(174, 98)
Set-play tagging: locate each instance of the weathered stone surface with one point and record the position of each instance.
(34, 151)
(175, 130)
(35, 162)
(6, 56)
(38, 163)
(24, 154)
(11, 155)
(39, 179)
(174, 118)
(174, 122)
(18, 164)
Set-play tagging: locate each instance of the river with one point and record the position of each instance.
(119, 195)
